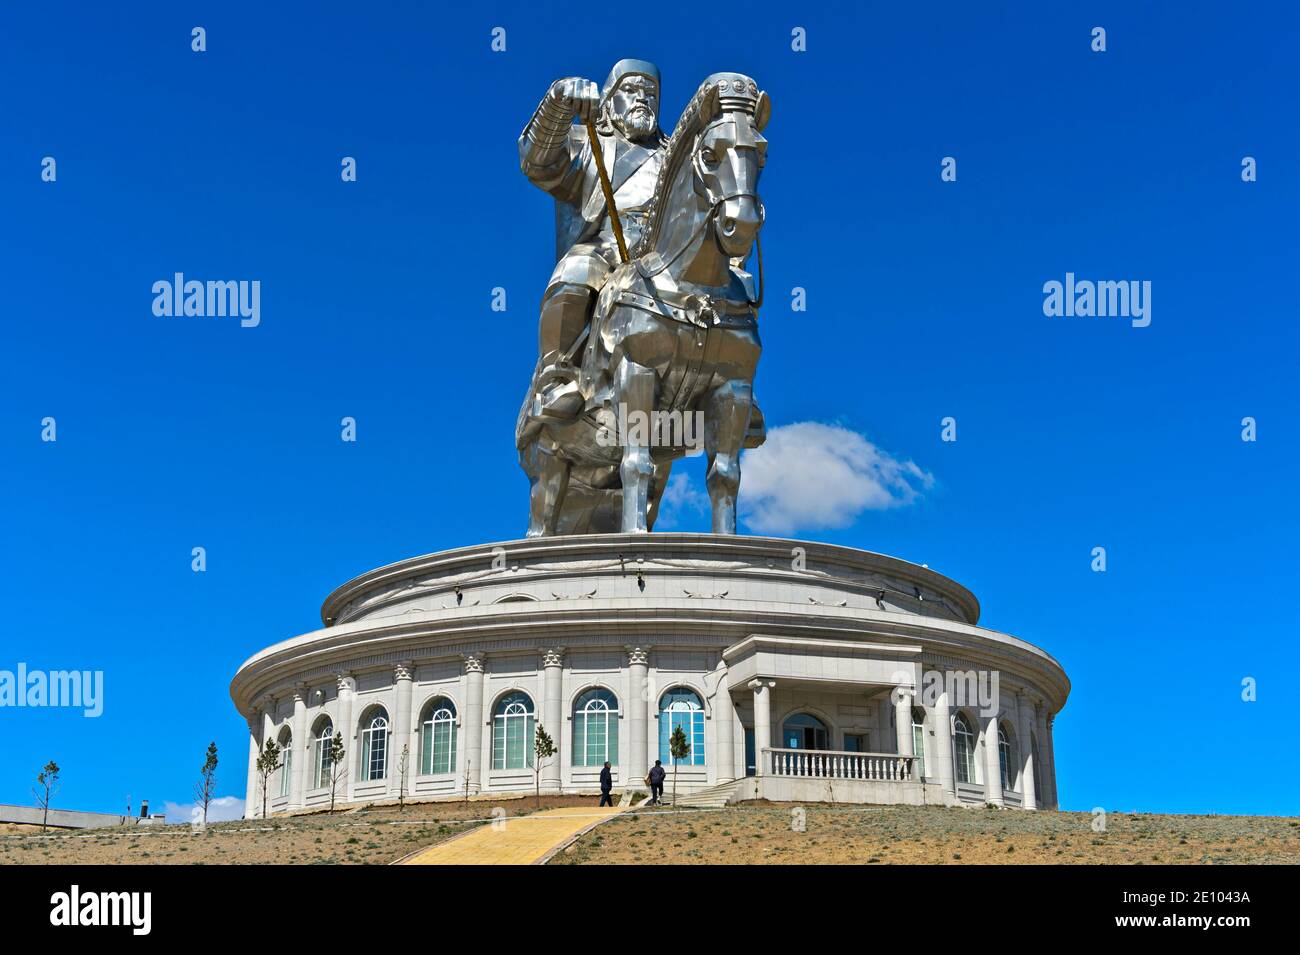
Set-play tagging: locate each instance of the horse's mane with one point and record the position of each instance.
(699, 112)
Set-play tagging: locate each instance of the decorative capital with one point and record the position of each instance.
(757, 685)
(638, 656)
(473, 662)
(403, 670)
(553, 656)
(345, 681)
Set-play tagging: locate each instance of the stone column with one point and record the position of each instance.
(941, 723)
(762, 724)
(903, 720)
(992, 765)
(301, 747)
(473, 722)
(254, 747)
(1028, 793)
(401, 731)
(638, 705)
(724, 731)
(1047, 752)
(347, 690)
(553, 715)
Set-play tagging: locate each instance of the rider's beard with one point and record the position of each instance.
(637, 123)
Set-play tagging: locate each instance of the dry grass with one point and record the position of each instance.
(375, 836)
(762, 833)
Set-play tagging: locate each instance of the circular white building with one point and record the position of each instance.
(797, 671)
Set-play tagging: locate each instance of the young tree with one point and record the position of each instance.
(679, 748)
(335, 765)
(47, 787)
(207, 784)
(543, 749)
(267, 763)
(401, 777)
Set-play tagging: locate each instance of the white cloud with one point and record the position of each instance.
(681, 498)
(811, 475)
(221, 809)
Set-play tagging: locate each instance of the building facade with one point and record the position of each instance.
(796, 671)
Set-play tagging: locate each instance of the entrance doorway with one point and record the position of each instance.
(805, 731)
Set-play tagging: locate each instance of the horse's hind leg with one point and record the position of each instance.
(550, 481)
(726, 418)
(657, 488)
(635, 387)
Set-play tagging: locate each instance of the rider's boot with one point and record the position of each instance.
(566, 308)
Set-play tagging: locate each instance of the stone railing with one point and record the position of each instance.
(835, 764)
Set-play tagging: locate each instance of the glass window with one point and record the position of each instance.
(804, 731)
(681, 707)
(513, 722)
(438, 737)
(286, 762)
(918, 741)
(1006, 765)
(374, 747)
(321, 759)
(963, 746)
(595, 728)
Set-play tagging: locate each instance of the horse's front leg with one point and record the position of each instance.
(726, 418)
(634, 386)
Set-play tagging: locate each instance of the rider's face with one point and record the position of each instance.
(634, 105)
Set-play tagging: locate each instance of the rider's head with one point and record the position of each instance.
(630, 98)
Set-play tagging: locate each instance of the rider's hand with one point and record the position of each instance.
(578, 96)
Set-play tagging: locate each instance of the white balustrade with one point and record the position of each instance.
(838, 764)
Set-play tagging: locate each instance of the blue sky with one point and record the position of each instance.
(924, 301)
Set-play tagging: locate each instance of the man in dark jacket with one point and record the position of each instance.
(657, 775)
(606, 784)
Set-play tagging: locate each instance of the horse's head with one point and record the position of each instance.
(708, 185)
(728, 156)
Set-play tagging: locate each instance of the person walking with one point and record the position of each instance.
(656, 778)
(606, 784)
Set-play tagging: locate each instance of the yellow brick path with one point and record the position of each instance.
(518, 840)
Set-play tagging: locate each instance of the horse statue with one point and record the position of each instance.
(666, 366)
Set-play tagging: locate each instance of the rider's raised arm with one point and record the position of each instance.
(548, 154)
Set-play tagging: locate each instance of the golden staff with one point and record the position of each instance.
(606, 188)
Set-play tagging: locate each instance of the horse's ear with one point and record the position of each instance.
(710, 105)
(762, 110)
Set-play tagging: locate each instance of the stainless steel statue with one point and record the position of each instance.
(631, 352)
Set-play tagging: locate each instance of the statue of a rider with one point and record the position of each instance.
(555, 155)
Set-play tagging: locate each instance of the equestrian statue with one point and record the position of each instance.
(649, 323)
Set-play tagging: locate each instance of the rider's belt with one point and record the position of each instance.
(704, 318)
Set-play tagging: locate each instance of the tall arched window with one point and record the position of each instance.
(374, 746)
(1006, 765)
(681, 707)
(963, 747)
(285, 742)
(595, 728)
(918, 740)
(513, 722)
(438, 737)
(321, 757)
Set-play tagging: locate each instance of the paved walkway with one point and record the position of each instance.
(517, 840)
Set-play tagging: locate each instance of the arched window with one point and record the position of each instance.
(595, 728)
(438, 737)
(285, 742)
(1006, 765)
(963, 748)
(321, 757)
(804, 731)
(513, 722)
(918, 741)
(681, 707)
(374, 746)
